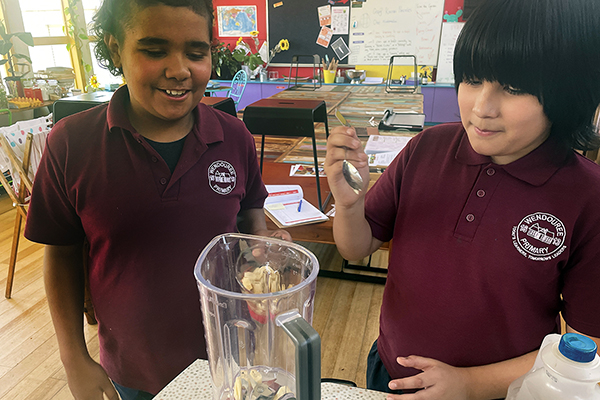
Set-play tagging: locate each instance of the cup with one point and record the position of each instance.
(329, 75)
(273, 75)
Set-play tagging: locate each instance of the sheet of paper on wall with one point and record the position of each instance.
(286, 207)
(324, 37)
(340, 18)
(340, 48)
(324, 15)
(385, 144)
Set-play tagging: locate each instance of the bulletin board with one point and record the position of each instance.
(298, 22)
(383, 28)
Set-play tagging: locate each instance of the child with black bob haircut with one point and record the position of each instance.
(495, 220)
(147, 180)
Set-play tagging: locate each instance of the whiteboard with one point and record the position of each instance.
(383, 28)
(445, 70)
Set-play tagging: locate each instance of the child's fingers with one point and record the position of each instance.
(343, 140)
(343, 130)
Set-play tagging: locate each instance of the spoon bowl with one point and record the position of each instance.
(352, 176)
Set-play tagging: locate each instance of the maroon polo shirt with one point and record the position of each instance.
(100, 179)
(482, 252)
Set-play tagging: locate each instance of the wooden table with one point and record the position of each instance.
(278, 174)
(322, 232)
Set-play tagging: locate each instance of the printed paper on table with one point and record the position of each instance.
(282, 207)
(385, 144)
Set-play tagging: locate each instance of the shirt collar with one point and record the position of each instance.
(207, 128)
(534, 168)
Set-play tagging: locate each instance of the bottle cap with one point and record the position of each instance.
(577, 347)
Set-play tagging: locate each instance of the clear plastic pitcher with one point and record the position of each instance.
(567, 367)
(257, 297)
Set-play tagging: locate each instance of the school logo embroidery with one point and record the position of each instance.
(222, 177)
(540, 236)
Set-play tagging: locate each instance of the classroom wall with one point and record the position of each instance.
(452, 11)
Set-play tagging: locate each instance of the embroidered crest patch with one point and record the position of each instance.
(539, 236)
(222, 177)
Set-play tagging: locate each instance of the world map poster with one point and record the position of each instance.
(236, 20)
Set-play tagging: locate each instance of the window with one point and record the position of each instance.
(55, 55)
(89, 9)
(43, 17)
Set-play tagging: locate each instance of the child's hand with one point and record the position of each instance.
(279, 234)
(344, 144)
(89, 381)
(438, 381)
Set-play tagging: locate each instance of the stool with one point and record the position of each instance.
(287, 117)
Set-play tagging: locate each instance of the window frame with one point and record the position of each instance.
(79, 57)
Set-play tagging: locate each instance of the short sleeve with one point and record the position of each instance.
(52, 218)
(382, 200)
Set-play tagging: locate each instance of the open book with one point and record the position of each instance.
(286, 207)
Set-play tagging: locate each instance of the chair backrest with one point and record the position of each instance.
(316, 61)
(238, 85)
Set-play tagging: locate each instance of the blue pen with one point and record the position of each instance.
(300, 206)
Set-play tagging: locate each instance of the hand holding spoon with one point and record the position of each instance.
(350, 172)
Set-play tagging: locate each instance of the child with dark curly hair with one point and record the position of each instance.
(148, 180)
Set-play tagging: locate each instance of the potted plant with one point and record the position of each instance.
(249, 57)
(223, 64)
(13, 81)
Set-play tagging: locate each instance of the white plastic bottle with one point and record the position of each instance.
(566, 367)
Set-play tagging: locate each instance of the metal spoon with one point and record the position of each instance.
(352, 176)
(350, 172)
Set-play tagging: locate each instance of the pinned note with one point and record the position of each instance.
(324, 15)
(324, 37)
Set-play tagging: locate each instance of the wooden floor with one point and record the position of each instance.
(346, 316)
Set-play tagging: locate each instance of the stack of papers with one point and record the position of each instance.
(383, 149)
(373, 81)
(287, 207)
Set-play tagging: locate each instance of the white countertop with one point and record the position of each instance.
(194, 383)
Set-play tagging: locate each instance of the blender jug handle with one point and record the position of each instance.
(308, 354)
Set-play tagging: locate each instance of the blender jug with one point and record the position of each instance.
(257, 297)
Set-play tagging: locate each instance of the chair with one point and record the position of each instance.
(238, 85)
(315, 62)
(20, 200)
(399, 88)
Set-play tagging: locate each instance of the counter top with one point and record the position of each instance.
(194, 383)
(304, 82)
